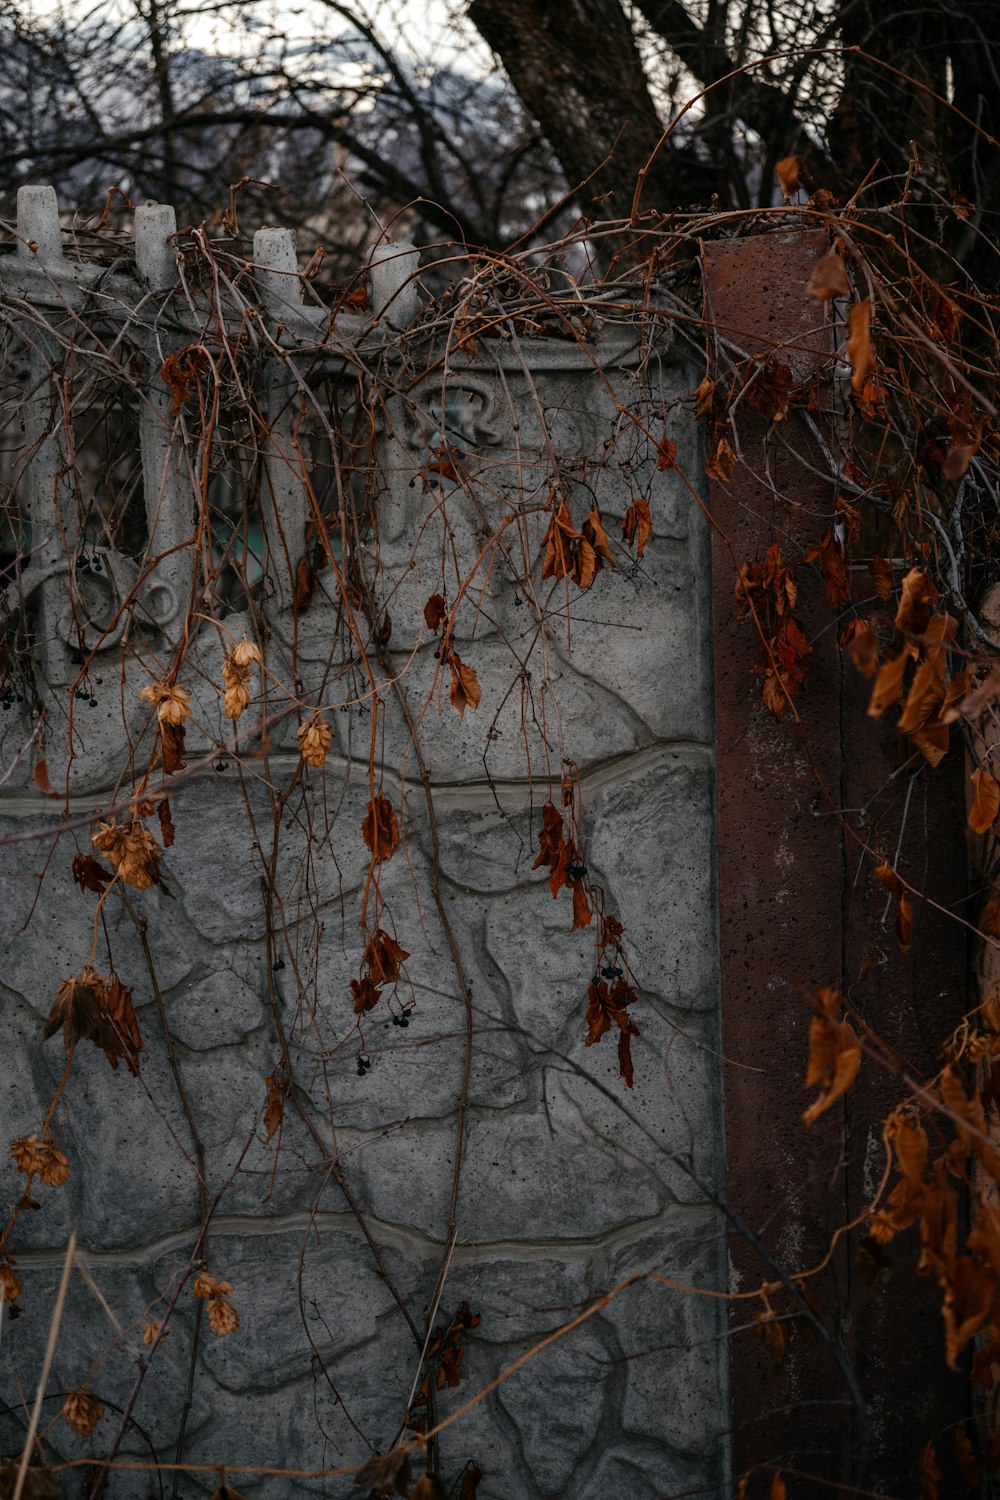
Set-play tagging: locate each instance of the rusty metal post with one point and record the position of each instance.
(796, 909)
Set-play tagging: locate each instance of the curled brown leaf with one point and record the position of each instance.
(380, 828)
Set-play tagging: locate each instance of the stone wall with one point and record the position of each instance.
(480, 1153)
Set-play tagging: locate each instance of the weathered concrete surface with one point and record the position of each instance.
(336, 1232)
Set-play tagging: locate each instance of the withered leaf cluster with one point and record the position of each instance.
(92, 1008)
(382, 959)
(566, 868)
(39, 1483)
(41, 1158)
(767, 591)
(580, 555)
(222, 1315)
(133, 852)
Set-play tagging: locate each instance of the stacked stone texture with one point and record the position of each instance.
(327, 1233)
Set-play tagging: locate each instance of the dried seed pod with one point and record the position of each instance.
(208, 1286)
(222, 1316)
(82, 1412)
(42, 1159)
(246, 654)
(314, 738)
(173, 704)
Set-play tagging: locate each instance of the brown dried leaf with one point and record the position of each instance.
(553, 850)
(464, 691)
(932, 740)
(274, 1110)
(989, 921)
(912, 1149)
(985, 802)
(386, 1470)
(594, 532)
(172, 747)
(957, 690)
(770, 390)
(704, 398)
(383, 956)
(79, 1011)
(947, 316)
(887, 876)
(888, 685)
(967, 1305)
(120, 1013)
(39, 1483)
(958, 459)
(557, 544)
(828, 555)
(226, 1492)
(982, 696)
(180, 371)
(917, 596)
(429, 1487)
(859, 343)
(607, 1005)
(380, 828)
(789, 174)
(167, 830)
(880, 569)
(771, 1333)
(638, 525)
(926, 691)
(778, 1488)
(472, 1476)
(829, 278)
(90, 874)
(365, 994)
(834, 1054)
(968, 1464)
(435, 611)
(862, 646)
(305, 585)
(40, 776)
(930, 1475)
(722, 462)
(666, 454)
(584, 564)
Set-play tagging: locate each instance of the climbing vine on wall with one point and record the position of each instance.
(336, 562)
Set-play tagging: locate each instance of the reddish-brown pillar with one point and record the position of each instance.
(797, 908)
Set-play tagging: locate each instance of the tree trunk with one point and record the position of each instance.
(577, 70)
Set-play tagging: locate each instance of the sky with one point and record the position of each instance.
(420, 29)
